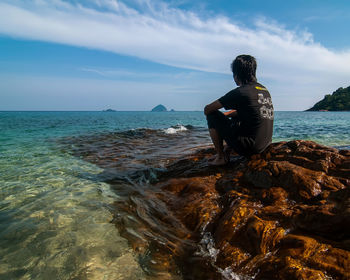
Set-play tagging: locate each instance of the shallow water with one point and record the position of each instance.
(55, 220)
(65, 176)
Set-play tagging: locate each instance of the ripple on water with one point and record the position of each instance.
(55, 223)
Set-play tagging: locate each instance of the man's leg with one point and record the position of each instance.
(218, 125)
(219, 147)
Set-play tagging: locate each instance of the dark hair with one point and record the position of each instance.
(244, 67)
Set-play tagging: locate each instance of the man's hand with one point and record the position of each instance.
(216, 105)
(231, 114)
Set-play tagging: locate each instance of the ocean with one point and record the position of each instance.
(58, 209)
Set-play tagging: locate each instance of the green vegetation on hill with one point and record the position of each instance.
(337, 101)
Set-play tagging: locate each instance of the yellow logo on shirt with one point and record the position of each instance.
(261, 88)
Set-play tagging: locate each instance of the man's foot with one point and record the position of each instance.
(227, 153)
(218, 161)
(213, 157)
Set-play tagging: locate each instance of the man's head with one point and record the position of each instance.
(244, 69)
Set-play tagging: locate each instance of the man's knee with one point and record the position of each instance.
(214, 118)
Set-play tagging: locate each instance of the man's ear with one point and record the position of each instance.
(237, 80)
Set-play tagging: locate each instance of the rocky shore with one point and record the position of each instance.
(283, 214)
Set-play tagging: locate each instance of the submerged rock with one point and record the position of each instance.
(283, 214)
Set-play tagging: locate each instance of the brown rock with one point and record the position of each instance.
(283, 214)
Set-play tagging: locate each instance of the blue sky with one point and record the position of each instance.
(133, 55)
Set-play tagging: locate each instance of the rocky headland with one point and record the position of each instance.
(283, 214)
(339, 100)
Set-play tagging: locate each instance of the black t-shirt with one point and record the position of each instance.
(255, 115)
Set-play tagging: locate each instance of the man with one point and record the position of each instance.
(247, 129)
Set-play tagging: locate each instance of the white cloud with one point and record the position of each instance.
(289, 60)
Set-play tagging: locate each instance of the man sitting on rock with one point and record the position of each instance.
(247, 128)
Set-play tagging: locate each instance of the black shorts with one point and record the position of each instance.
(227, 128)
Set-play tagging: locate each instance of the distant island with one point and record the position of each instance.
(159, 108)
(337, 101)
(109, 110)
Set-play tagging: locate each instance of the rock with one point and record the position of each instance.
(282, 214)
(109, 110)
(159, 108)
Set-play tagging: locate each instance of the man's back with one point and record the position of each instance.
(254, 113)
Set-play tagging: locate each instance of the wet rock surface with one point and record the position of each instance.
(283, 214)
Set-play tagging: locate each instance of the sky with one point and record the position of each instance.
(133, 55)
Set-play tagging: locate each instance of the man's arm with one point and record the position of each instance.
(231, 114)
(216, 105)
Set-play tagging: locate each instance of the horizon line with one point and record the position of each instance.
(116, 111)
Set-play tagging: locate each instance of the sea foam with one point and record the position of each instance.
(175, 129)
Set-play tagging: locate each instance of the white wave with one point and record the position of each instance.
(176, 129)
(228, 274)
(207, 248)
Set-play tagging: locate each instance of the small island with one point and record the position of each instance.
(159, 108)
(109, 110)
(337, 101)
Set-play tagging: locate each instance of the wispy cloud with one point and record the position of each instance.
(152, 30)
(124, 74)
(326, 15)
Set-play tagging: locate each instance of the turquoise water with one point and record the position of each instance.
(327, 128)
(55, 202)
